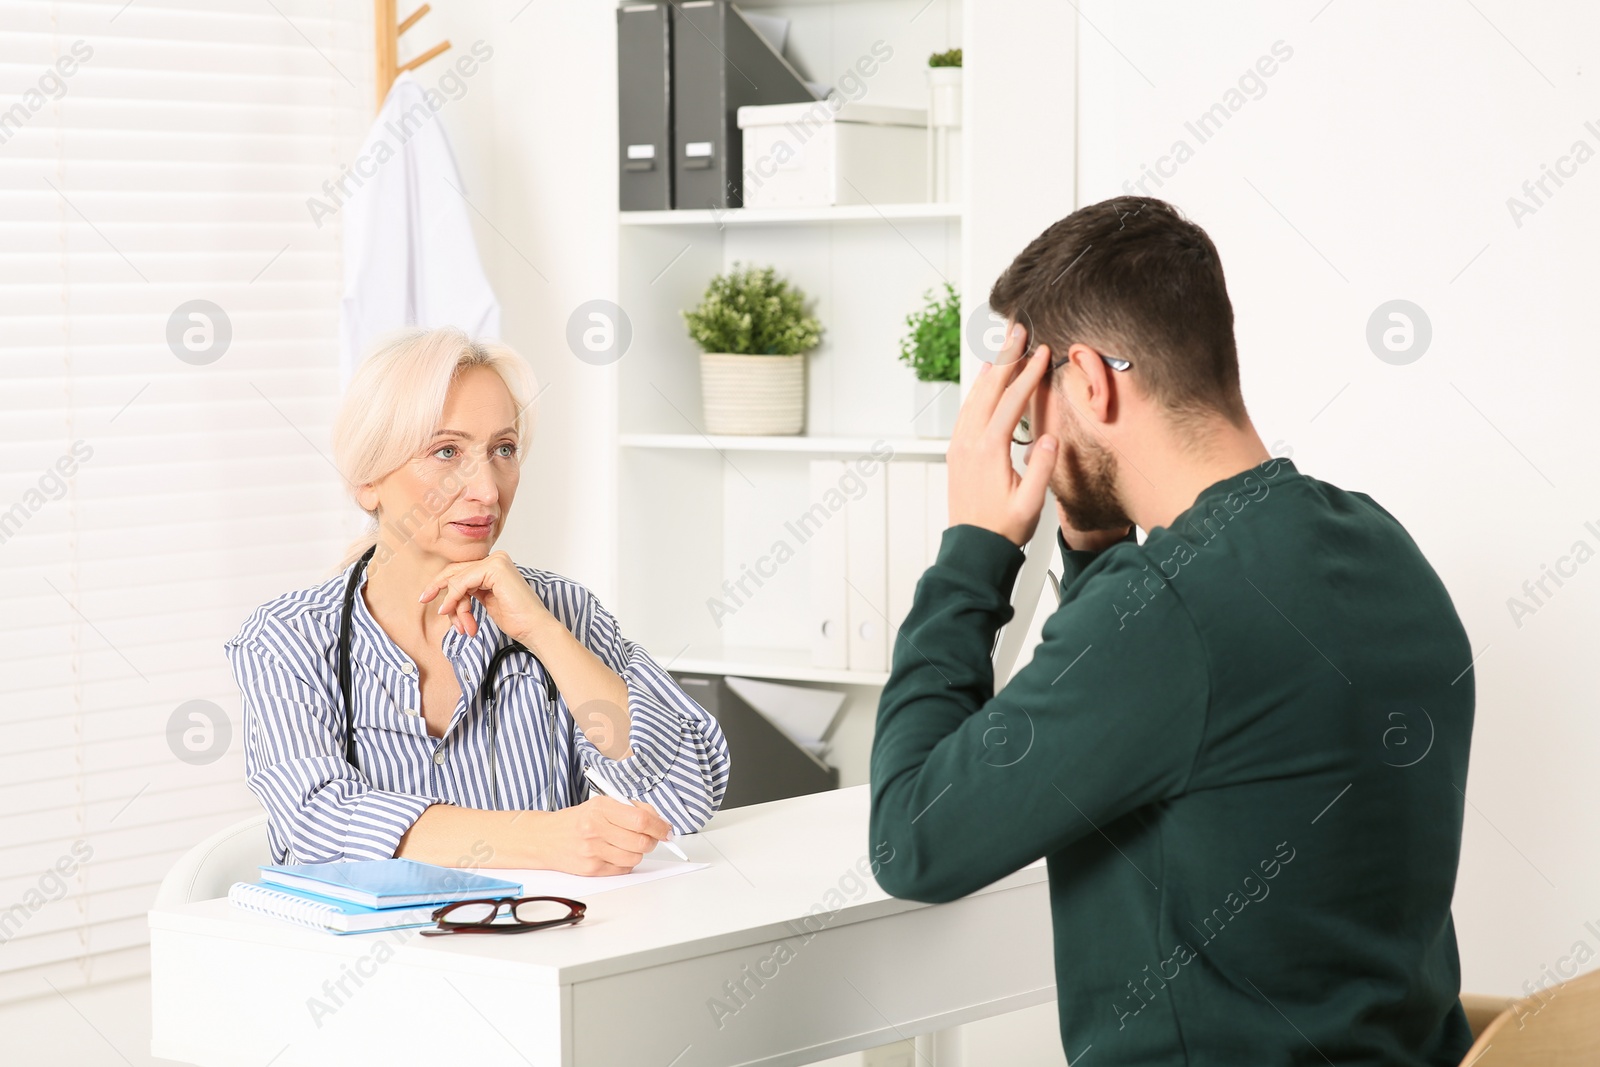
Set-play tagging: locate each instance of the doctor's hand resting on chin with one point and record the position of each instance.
(481, 690)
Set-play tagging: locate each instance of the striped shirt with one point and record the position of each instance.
(320, 808)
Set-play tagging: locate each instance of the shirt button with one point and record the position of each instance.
(438, 757)
(412, 712)
(406, 668)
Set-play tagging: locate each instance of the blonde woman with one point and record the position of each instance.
(475, 692)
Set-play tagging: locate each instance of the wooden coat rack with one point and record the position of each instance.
(387, 32)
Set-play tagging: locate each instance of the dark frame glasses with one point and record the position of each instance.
(1114, 362)
(488, 924)
(1024, 432)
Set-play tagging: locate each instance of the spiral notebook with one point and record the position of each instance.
(325, 913)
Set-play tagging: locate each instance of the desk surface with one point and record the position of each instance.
(772, 865)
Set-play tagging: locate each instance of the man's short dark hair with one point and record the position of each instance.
(1131, 277)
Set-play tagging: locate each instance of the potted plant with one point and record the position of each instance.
(944, 124)
(932, 349)
(753, 331)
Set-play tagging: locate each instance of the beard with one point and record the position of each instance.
(1085, 481)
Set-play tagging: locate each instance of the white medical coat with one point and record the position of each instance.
(409, 256)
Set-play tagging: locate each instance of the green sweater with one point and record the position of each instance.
(1242, 748)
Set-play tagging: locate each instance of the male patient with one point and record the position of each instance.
(1241, 745)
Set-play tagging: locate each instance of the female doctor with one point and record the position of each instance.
(475, 692)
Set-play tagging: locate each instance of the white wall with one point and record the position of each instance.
(1377, 165)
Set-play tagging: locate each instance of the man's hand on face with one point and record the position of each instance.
(985, 490)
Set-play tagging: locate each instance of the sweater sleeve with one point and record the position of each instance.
(969, 785)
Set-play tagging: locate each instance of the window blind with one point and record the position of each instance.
(168, 377)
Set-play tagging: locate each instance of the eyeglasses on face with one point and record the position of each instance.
(521, 915)
(1024, 432)
(1114, 362)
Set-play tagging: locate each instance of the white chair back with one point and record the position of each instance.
(208, 869)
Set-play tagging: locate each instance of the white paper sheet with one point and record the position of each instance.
(580, 887)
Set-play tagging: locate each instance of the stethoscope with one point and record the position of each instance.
(485, 689)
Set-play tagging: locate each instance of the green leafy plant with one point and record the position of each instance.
(750, 311)
(933, 347)
(951, 58)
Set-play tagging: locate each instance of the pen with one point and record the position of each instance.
(615, 794)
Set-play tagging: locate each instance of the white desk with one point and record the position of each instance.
(634, 984)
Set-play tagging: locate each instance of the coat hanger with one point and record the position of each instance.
(387, 66)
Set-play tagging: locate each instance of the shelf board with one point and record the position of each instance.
(784, 216)
(799, 443)
(774, 663)
(795, 3)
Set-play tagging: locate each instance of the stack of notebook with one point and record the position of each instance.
(360, 896)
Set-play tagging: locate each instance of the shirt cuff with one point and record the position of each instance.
(379, 821)
(646, 768)
(981, 553)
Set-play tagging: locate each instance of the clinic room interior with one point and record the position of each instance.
(872, 533)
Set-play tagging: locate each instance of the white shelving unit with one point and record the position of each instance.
(693, 511)
(698, 512)
(795, 217)
(811, 446)
(778, 664)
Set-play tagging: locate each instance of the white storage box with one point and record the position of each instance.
(808, 155)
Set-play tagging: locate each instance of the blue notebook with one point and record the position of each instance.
(325, 913)
(387, 883)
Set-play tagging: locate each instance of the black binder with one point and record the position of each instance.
(719, 64)
(644, 106)
(766, 765)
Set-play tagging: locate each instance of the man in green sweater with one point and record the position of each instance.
(1241, 745)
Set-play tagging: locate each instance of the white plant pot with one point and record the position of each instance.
(934, 406)
(944, 96)
(944, 134)
(753, 394)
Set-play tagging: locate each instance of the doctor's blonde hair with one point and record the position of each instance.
(395, 401)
